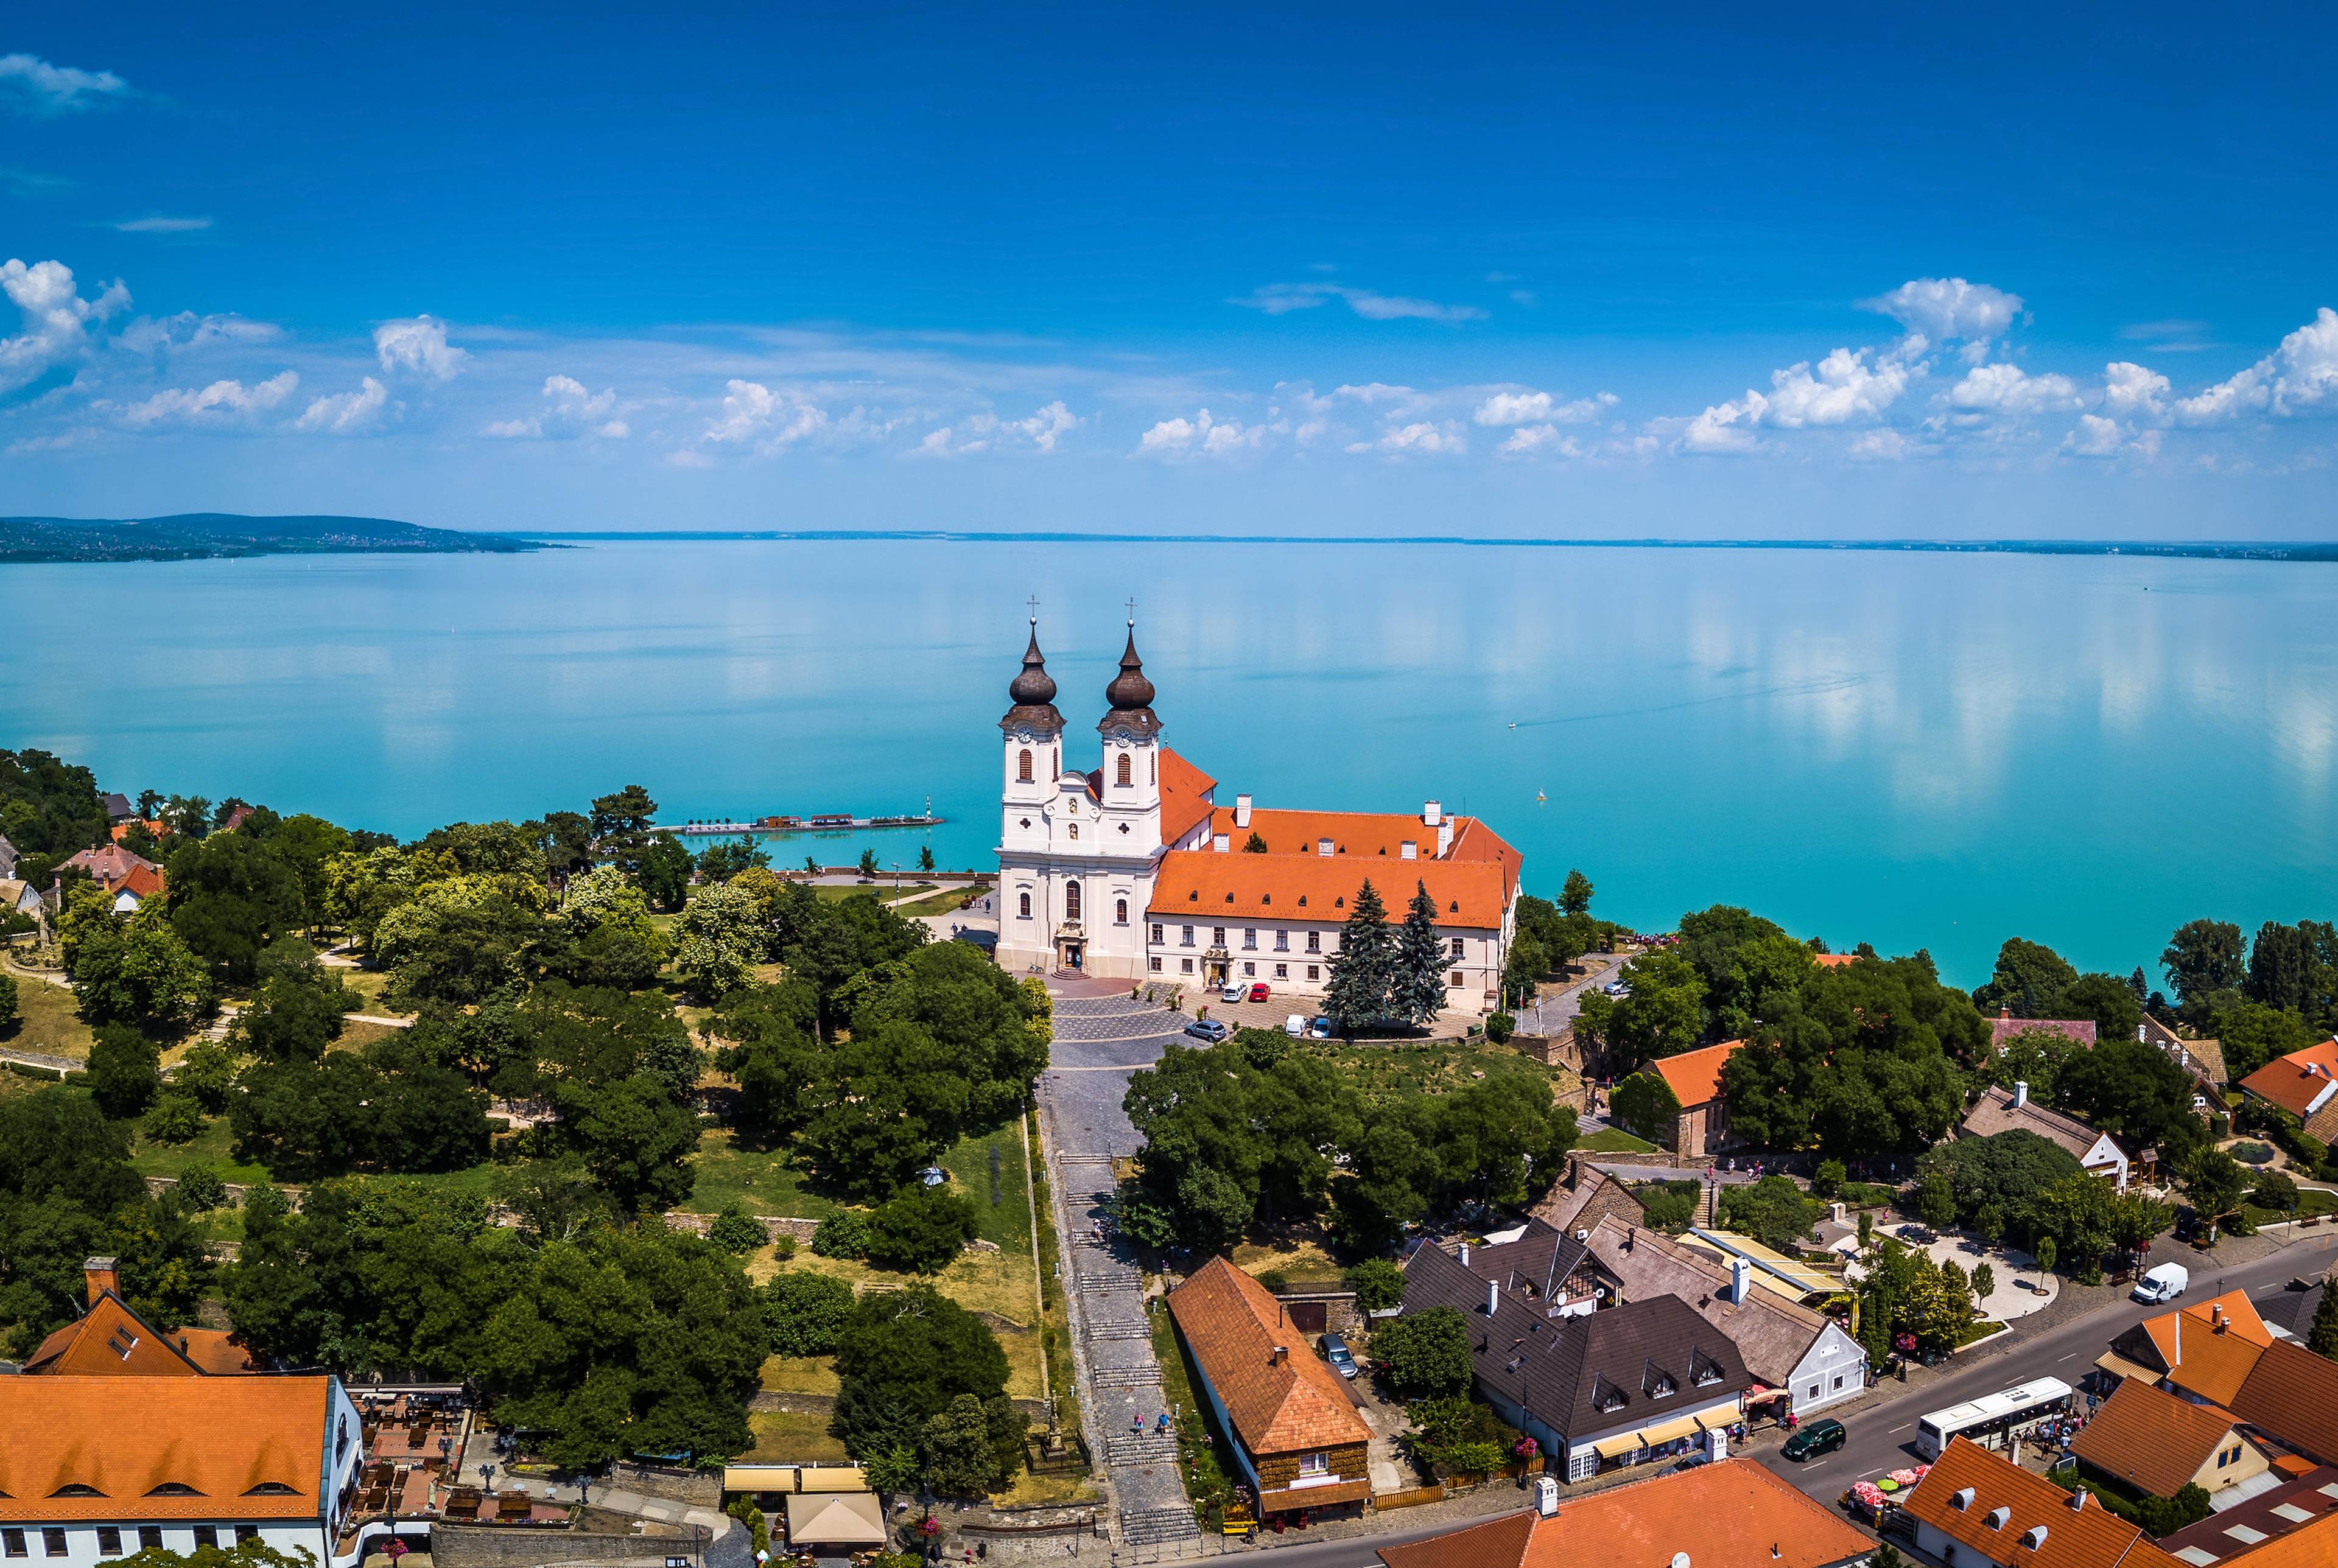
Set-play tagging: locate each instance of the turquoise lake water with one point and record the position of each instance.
(1933, 750)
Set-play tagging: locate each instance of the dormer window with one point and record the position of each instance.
(122, 1340)
(175, 1489)
(1604, 1395)
(1656, 1383)
(1703, 1369)
(77, 1489)
(272, 1489)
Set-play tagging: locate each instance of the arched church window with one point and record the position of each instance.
(1152, 769)
(1071, 900)
(1120, 911)
(1025, 903)
(1123, 770)
(1023, 765)
(1075, 830)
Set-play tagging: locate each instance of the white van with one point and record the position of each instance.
(1295, 1025)
(2164, 1283)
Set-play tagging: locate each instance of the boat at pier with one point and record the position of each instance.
(814, 822)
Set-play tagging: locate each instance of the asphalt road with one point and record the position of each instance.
(1882, 1436)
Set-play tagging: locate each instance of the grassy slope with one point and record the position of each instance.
(47, 1022)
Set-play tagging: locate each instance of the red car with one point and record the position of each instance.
(1258, 991)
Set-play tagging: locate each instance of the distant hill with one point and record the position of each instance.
(201, 536)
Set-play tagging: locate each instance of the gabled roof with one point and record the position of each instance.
(1645, 1362)
(1772, 1333)
(2295, 1522)
(243, 1447)
(1695, 1076)
(1184, 795)
(1835, 960)
(1291, 1404)
(2293, 1393)
(1732, 1514)
(110, 866)
(2296, 1081)
(2090, 1537)
(109, 1340)
(2151, 1439)
(1583, 1185)
(2003, 1027)
(1204, 885)
(1997, 1112)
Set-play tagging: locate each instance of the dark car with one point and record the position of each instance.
(1208, 1029)
(1815, 1438)
(1336, 1351)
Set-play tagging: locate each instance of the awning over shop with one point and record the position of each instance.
(1617, 1446)
(836, 1519)
(2120, 1368)
(1723, 1415)
(1666, 1431)
(1284, 1499)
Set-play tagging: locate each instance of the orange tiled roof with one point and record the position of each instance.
(2088, 1538)
(1695, 1075)
(234, 1442)
(111, 1341)
(1732, 1514)
(110, 866)
(1836, 960)
(1184, 795)
(1375, 835)
(1198, 884)
(2150, 1438)
(2215, 1366)
(2293, 1081)
(2293, 1393)
(145, 881)
(2175, 1335)
(1232, 1325)
(215, 1351)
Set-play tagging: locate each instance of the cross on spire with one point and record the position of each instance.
(1035, 609)
(1132, 612)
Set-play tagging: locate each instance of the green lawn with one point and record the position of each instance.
(1380, 1071)
(949, 901)
(1612, 1141)
(210, 1147)
(760, 1181)
(1001, 1199)
(790, 1437)
(832, 893)
(2311, 1201)
(46, 1021)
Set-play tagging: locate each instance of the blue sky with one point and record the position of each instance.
(1850, 272)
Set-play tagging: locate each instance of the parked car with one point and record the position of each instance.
(1320, 1029)
(2164, 1283)
(1817, 1438)
(1208, 1029)
(1258, 992)
(1336, 1351)
(1234, 991)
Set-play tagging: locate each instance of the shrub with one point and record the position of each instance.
(2166, 1515)
(7, 1001)
(1379, 1284)
(1275, 1280)
(843, 1234)
(1427, 1353)
(1670, 1205)
(1500, 1027)
(736, 1230)
(805, 1314)
(1458, 1436)
(921, 1229)
(175, 1118)
(199, 1190)
(784, 1248)
(1827, 1181)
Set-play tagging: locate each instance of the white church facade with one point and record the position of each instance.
(1134, 871)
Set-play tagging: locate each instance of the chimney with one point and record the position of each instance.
(1444, 837)
(2005, 1011)
(1278, 1356)
(1493, 1297)
(2219, 1320)
(101, 1276)
(1465, 1254)
(2078, 1501)
(1409, 850)
(1546, 1495)
(1431, 813)
(1741, 1278)
(1221, 842)
(1242, 810)
(2020, 1095)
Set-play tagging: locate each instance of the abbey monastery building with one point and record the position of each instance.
(1134, 870)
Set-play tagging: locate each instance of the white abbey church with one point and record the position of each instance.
(1134, 870)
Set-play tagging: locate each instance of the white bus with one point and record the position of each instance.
(1989, 1419)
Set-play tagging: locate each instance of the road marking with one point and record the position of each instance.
(2073, 1356)
(1902, 1427)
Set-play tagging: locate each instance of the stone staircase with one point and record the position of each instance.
(1120, 1328)
(1145, 1448)
(1157, 1527)
(1125, 1378)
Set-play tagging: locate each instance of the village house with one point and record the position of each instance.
(2291, 1526)
(2002, 1110)
(93, 1468)
(1732, 1514)
(1134, 870)
(1598, 1390)
(2305, 1084)
(21, 897)
(1297, 1439)
(2155, 1442)
(130, 878)
(109, 1340)
(1702, 1127)
(2005, 1026)
(1584, 1196)
(1975, 1506)
(1791, 1348)
(2203, 1059)
(2220, 1352)
(7, 857)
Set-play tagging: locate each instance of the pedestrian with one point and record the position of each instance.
(1136, 1423)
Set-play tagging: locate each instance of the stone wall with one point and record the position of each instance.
(505, 1546)
(698, 1488)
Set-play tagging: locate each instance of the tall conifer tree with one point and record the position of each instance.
(1417, 992)
(1364, 970)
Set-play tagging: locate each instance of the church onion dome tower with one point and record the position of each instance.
(1033, 691)
(1131, 695)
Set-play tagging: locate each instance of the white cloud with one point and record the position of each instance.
(1372, 392)
(34, 86)
(1532, 440)
(770, 421)
(161, 225)
(1881, 445)
(2302, 372)
(1047, 425)
(572, 411)
(936, 443)
(1846, 388)
(1282, 298)
(187, 330)
(56, 319)
(1540, 408)
(2129, 389)
(419, 346)
(1420, 435)
(343, 412)
(2008, 389)
(2096, 436)
(1202, 436)
(221, 402)
(1944, 308)
(1726, 428)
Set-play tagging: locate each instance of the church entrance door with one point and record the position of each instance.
(1072, 953)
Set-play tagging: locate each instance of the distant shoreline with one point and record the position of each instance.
(2237, 550)
(224, 536)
